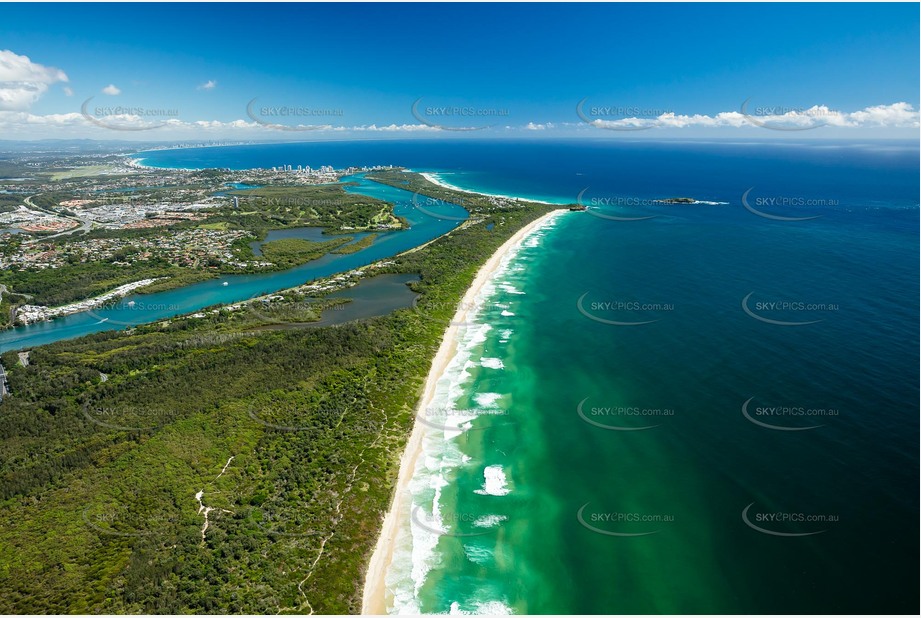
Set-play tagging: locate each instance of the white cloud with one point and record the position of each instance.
(68, 91)
(392, 128)
(25, 125)
(111, 90)
(23, 82)
(897, 115)
(211, 84)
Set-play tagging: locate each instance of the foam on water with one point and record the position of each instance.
(494, 482)
(489, 608)
(492, 363)
(416, 548)
(489, 521)
(487, 400)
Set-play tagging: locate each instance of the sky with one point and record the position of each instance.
(339, 71)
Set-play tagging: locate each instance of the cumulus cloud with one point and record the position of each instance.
(105, 124)
(68, 91)
(393, 128)
(896, 115)
(211, 84)
(23, 82)
(99, 124)
(111, 90)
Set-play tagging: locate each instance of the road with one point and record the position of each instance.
(84, 225)
(4, 389)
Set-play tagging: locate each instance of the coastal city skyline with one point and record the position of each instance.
(300, 74)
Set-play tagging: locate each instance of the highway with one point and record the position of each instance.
(84, 225)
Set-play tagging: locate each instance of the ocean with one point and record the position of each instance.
(667, 407)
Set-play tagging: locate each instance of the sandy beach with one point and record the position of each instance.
(375, 598)
(435, 179)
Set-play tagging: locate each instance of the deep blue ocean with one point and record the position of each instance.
(702, 407)
(871, 174)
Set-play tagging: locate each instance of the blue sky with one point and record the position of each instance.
(520, 69)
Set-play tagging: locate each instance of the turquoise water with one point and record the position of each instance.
(608, 462)
(708, 410)
(143, 308)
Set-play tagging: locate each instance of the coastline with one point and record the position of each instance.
(137, 162)
(374, 596)
(435, 179)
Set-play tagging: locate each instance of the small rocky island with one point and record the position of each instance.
(677, 200)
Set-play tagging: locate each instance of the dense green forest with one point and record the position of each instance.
(293, 436)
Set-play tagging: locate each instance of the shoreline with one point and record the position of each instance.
(43, 313)
(374, 595)
(135, 161)
(435, 179)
